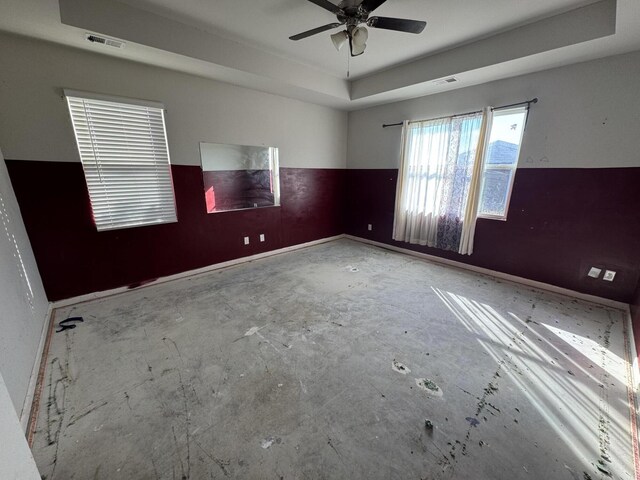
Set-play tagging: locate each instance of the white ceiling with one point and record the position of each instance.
(245, 42)
(268, 24)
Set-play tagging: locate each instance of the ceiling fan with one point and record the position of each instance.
(352, 15)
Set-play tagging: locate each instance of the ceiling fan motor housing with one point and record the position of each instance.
(353, 16)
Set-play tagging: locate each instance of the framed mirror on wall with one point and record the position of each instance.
(238, 177)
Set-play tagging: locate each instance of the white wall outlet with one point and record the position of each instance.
(595, 272)
(246, 240)
(262, 237)
(609, 275)
(369, 227)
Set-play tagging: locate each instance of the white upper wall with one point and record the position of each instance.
(24, 303)
(587, 116)
(16, 460)
(35, 123)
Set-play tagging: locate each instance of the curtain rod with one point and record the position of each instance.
(493, 109)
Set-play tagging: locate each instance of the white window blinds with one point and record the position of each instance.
(124, 153)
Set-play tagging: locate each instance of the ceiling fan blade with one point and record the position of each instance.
(308, 33)
(398, 24)
(371, 5)
(327, 5)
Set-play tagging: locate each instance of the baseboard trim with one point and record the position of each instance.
(493, 273)
(191, 273)
(631, 358)
(633, 353)
(34, 409)
(27, 404)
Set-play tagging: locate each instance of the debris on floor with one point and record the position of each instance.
(429, 386)
(251, 331)
(270, 440)
(68, 324)
(400, 367)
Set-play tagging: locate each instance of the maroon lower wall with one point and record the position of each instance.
(75, 259)
(561, 222)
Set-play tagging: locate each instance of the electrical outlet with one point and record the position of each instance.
(262, 237)
(595, 272)
(246, 240)
(369, 227)
(609, 275)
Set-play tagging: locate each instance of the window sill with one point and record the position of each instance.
(494, 217)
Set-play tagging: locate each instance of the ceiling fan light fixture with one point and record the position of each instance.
(357, 49)
(339, 39)
(360, 36)
(352, 13)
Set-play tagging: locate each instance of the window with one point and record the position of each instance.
(454, 170)
(124, 153)
(501, 161)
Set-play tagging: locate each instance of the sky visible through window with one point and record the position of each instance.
(501, 161)
(507, 127)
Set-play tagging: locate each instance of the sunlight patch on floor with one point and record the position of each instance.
(570, 393)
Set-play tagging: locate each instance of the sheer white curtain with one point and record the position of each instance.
(437, 170)
(475, 186)
(420, 184)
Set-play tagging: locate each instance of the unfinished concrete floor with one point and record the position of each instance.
(325, 363)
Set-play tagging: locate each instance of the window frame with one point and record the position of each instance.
(126, 102)
(513, 168)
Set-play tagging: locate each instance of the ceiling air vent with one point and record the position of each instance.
(444, 81)
(109, 42)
